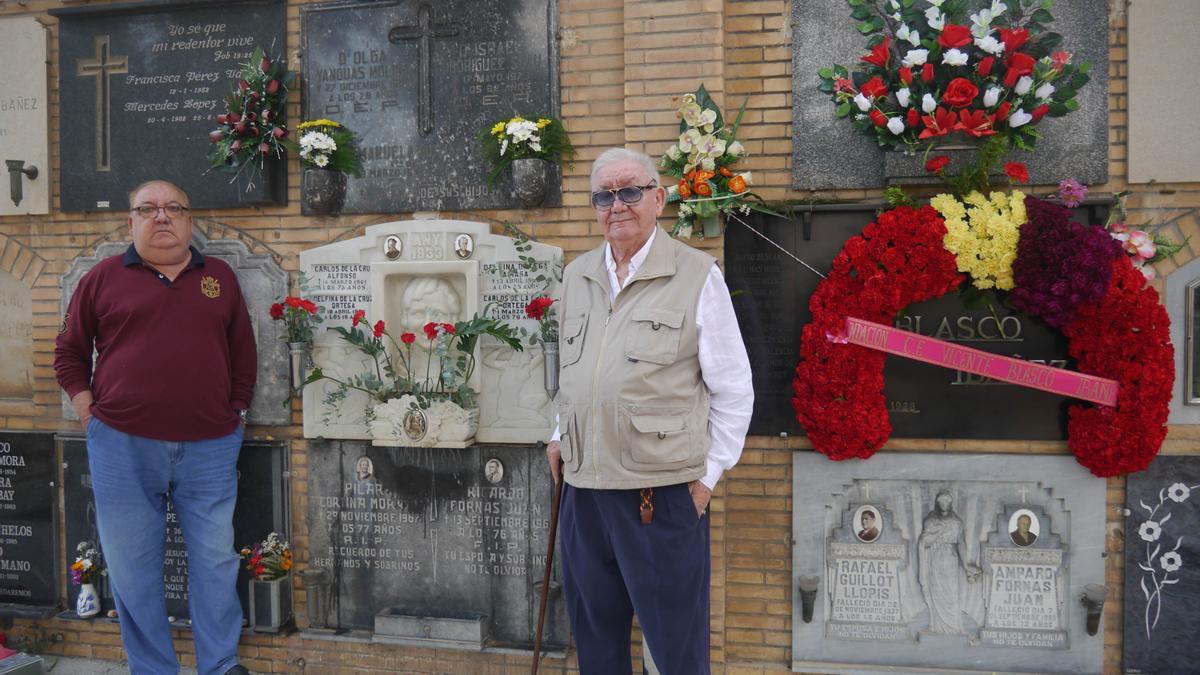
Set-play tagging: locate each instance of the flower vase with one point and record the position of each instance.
(299, 359)
(443, 424)
(550, 368)
(270, 604)
(710, 225)
(87, 603)
(323, 191)
(900, 168)
(265, 185)
(531, 180)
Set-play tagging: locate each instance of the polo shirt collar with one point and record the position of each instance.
(132, 257)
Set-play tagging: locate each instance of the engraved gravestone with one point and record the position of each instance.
(16, 338)
(831, 153)
(140, 86)
(434, 546)
(29, 571)
(771, 294)
(262, 281)
(418, 82)
(412, 272)
(262, 507)
(24, 118)
(915, 562)
(1162, 574)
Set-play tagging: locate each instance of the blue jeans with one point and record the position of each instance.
(131, 478)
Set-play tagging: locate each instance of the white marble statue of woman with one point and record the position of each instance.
(941, 557)
(427, 299)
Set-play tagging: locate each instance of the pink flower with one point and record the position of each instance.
(1071, 192)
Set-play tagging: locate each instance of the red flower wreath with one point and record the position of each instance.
(899, 260)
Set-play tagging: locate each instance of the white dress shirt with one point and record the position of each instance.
(724, 365)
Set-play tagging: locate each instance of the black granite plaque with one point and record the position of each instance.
(770, 296)
(436, 533)
(418, 82)
(140, 86)
(28, 567)
(262, 507)
(1162, 567)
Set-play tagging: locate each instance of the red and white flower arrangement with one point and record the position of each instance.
(942, 69)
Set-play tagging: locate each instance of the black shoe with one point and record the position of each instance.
(237, 670)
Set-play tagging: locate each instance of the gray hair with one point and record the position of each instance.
(134, 192)
(613, 155)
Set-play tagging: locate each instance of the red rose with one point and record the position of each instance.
(906, 75)
(379, 328)
(1003, 110)
(359, 317)
(1017, 172)
(879, 55)
(975, 122)
(913, 118)
(954, 36)
(960, 92)
(430, 330)
(1013, 39)
(1039, 112)
(873, 88)
(1018, 64)
(277, 311)
(927, 73)
(408, 338)
(985, 66)
(878, 118)
(937, 163)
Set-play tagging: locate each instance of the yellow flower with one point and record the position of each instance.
(498, 129)
(543, 123)
(982, 233)
(318, 123)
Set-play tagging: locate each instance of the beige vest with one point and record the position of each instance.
(633, 409)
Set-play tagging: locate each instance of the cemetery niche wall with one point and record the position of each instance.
(913, 561)
(418, 82)
(30, 576)
(140, 87)
(24, 118)
(411, 272)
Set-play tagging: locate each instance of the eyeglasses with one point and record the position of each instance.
(604, 199)
(172, 210)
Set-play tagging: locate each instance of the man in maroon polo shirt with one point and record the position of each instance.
(163, 407)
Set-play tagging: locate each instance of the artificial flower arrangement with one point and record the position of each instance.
(1143, 248)
(943, 72)
(252, 127)
(541, 309)
(300, 316)
(391, 375)
(701, 160)
(326, 144)
(519, 137)
(1075, 277)
(269, 559)
(88, 565)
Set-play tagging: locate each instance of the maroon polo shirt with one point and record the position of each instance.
(175, 361)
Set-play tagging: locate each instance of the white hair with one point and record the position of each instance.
(613, 155)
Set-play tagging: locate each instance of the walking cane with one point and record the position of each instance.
(537, 636)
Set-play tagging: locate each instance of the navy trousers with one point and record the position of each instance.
(613, 566)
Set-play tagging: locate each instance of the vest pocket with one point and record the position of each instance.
(570, 342)
(655, 335)
(657, 440)
(568, 442)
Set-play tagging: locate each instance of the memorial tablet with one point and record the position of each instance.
(140, 86)
(24, 117)
(29, 571)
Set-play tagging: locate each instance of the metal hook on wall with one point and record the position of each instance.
(16, 167)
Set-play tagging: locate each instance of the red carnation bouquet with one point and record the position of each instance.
(953, 71)
(299, 317)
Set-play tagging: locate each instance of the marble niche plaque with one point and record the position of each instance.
(263, 282)
(418, 82)
(913, 563)
(1162, 567)
(141, 85)
(408, 273)
(262, 507)
(24, 117)
(29, 570)
(831, 153)
(435, 546)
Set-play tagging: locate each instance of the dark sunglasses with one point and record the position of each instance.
(603, 199)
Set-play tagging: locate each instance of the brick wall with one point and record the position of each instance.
(623, 64)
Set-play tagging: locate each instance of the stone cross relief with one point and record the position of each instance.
(102, 67)
(424, 32)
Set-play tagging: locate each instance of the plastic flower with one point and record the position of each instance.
(915, 57)
(379, 328)
(937, 163)
(408, 338)
(1019, 118)
(908, 35)
(1179, 492)
(536, 309)
(1017, 171)
(360, 316)
(1170, 561)
(1149, 531)
(277, 311)
(954, 57)
(990, 45)
(1071, 192)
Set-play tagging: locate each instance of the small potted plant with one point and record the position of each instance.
(85, 571)
(270, 564)
(298, 316)
(529, 145)
(329, 153)
(251, 135)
